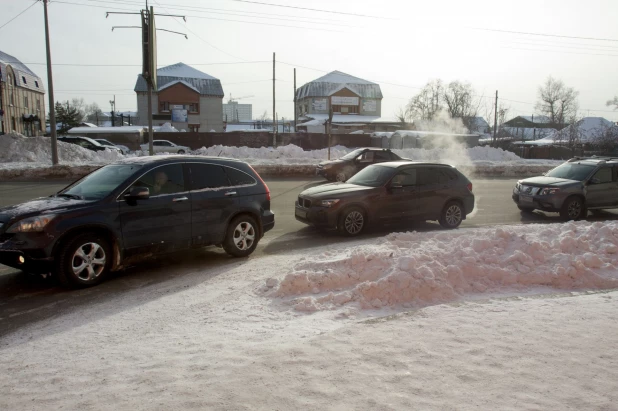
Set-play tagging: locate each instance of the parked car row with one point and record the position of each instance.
(101, 144)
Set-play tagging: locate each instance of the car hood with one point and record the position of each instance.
(335, 189)
(332, 162)
(548, 181)
(45, 205)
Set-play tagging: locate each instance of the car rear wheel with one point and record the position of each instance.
(181, 151)
(84, 261)
(341, 177)
(352, 221)
(452, 215)
(573, 208)
(242, 236)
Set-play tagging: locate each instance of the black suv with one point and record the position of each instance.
(389, 192)
(572, 188)
(87, 143)
(350, 164)
(135, 207)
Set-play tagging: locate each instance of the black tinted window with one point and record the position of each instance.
(405, 178)
(382, 156)
(604, 175)
(394, 156)
(207, 176)
(435, 175)
(163, 180)
(238, 178)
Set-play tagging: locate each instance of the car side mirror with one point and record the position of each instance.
(138, 193)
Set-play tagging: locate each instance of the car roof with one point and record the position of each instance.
(92, 140)
(157, 159)
(403, 163)
(594, 160)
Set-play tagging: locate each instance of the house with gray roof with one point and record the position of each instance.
(186, 97)
(22, 98)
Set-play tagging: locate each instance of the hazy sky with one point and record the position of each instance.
(399, 44)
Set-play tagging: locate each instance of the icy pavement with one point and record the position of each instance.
(526, 324)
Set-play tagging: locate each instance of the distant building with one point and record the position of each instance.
(187, 98)
(528, 127)
(235, 113)
(22, 98)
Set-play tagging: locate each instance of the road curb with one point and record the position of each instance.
(267, 170)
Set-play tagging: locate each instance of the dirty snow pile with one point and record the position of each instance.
(418, 269)
(290, 154)
(16, 148)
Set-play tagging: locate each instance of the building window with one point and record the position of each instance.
(193, 107)
(13, 123)
(36, 83)
(165, 106)
(26, 101)
(345, 109)
(24, 79)
(12, 99)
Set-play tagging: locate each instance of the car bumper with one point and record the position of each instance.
(316, 216)
(268, 221)
(30, 254)
(546, 202)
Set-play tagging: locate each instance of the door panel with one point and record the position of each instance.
(401, 199)
(605, 193)
(163, 221)
(433, 192)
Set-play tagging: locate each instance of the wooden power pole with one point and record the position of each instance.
(496, 117)
(50, 86)
(295, 111)
(274, 108)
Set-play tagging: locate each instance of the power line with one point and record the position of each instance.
(539, 34)
(316, 10)
(25, 10)
(139, 65)
(561, 51)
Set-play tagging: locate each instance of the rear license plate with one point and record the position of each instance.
(525, 199)
(301, 213)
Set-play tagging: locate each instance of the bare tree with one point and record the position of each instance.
(503, 114)
(570, 136)
(613, 102)
(461, 102)
(79, 104)
(403, 115)
(93, 113)
(428, 102)
(557, 101)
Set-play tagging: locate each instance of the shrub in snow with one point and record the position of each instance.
(418, 269)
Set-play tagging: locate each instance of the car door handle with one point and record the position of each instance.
(179, 199)
(230, 193)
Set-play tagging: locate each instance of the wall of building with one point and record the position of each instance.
(211, 114)
(142, 107)
(17, 108)
(371, 107)
(234, 112)
(320, 105)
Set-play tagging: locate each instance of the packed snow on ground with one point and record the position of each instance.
(517, 315)
(36, 151)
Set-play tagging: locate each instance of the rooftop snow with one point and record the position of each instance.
(106, 130)
(318, 119)
(182, 70)
(33, 82)
(202, 82)
(335, 81)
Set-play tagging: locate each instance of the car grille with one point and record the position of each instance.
(303, 202)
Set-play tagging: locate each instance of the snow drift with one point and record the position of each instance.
(418, 269)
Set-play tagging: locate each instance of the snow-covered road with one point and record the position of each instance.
(502, 318)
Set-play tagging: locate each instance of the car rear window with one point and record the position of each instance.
(207, 176)
(239, 178)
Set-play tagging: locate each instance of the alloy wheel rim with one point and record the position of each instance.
(354, 222)
(574, 209)
(88, 261)
(453, 215)
(341, 177)
(244, 236)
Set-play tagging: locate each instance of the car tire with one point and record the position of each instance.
(452, 215)
(242, 236)
(341, 177)
(181, 151)
(525, 209)
(573, 208)
(84, 261)
(352, 221)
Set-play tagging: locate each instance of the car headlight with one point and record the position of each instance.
(31, 225)
(549, 191)
(329, 203)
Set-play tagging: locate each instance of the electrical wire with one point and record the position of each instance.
(25, 10)
(310, 9)
(543, 34)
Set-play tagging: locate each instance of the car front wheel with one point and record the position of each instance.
(352, 221)
(84, 261)
(452, 215)
(242, 236)
(181, 151)
(573, 209)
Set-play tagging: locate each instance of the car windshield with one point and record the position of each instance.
(104, 142)
(352, 155)
(101, 182)
(571, 171)
(373, 176)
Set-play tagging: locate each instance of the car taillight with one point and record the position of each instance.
(263, 183)
(469, 187)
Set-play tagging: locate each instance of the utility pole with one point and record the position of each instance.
(295, 110)
(533, 129)
(330, 126)
(50, 85)
(274, 108)
(496, 117)
(112, 103)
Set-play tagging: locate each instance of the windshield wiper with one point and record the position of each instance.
(71, 196)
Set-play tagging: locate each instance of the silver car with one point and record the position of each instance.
(573, 188)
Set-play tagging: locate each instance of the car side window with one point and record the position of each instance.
(156, 143)
(604, 175)
(366, 157)
(405, 178)
(393, 156)
(163, 180)
(166, 143)
(239, 178)
(381, 156)
(204, 176)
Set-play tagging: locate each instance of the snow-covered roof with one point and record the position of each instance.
(202, 82)
(529, 133)
(537, 119)
(420, 133)
(106, 130)
(319, 119)
(336, 81)
(588, 129)
(32, 81)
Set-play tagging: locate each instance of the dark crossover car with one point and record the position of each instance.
(572, 188)
(87, 143)
(350, 164)
(133, 208)
(389, 192)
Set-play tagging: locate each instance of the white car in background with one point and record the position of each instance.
(103, 142)
(165, 146)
